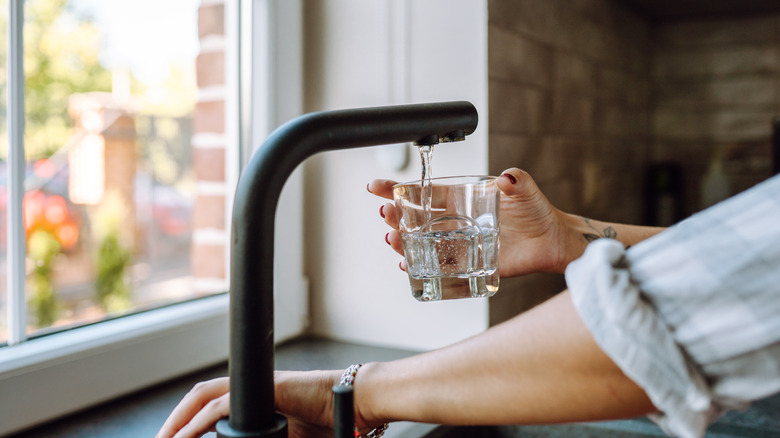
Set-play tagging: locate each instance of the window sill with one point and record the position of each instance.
(62, 373)
(142, 413)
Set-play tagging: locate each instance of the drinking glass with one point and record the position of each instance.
(450, 236)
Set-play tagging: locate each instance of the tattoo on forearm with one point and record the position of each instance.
(607, 232)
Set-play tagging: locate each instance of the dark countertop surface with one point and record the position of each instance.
(762, 420)
(141, 414)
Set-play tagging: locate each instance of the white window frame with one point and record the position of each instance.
(51, 376)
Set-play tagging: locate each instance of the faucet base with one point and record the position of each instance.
(279, 430)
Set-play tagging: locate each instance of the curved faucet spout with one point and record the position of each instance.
(252, 412)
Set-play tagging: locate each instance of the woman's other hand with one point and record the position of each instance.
(304, 397)
(199, 410)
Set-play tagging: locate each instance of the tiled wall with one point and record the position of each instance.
(568, 102)
(716, 87)
(585, 95)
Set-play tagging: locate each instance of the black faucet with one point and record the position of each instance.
(252, 413)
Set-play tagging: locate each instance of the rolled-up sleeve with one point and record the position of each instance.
(692, 315)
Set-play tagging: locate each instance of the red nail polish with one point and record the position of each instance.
(367, 189)
(511, 177)
(382, 211)
(401, 266)
(387, 238)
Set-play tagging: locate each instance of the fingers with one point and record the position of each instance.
(516, 182)
(393, 238)
(191, 405)
(382, 188)
(390, 215)
(206, 418)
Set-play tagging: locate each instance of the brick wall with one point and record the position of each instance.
(716, 87)
(585, 95)
(209, 240)
(568, 102)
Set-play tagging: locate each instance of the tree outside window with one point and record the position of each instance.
(111, 200)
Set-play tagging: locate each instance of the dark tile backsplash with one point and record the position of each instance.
(587, 95)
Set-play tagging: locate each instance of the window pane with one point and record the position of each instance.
(110, 188)
(3, 170)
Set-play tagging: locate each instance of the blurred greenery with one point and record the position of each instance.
(111, 287)
(61, 58)
(43, 248)
(113, 258)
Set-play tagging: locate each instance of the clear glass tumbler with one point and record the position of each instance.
(450, 229)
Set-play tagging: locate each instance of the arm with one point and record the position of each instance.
(535, 236)
(581, 231)
(539, 367)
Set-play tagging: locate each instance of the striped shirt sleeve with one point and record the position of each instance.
(692, 315)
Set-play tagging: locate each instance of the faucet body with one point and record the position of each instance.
(252, 413)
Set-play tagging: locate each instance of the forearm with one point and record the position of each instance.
(580, 231)
(540, 367)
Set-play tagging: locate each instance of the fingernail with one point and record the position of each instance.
(511, 177)
(382, 211)
(387, 238)
(368, 189)
(401, 266)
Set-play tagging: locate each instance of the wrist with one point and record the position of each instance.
(573, 240)
(361, 378)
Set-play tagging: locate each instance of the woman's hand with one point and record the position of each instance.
(535, 235)
(199, 410)
(305, 398)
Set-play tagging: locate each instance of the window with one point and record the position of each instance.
(117, 249)
(109, 181)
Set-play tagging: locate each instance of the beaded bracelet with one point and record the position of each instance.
(347, 379)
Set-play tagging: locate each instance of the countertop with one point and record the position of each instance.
(141, 414)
